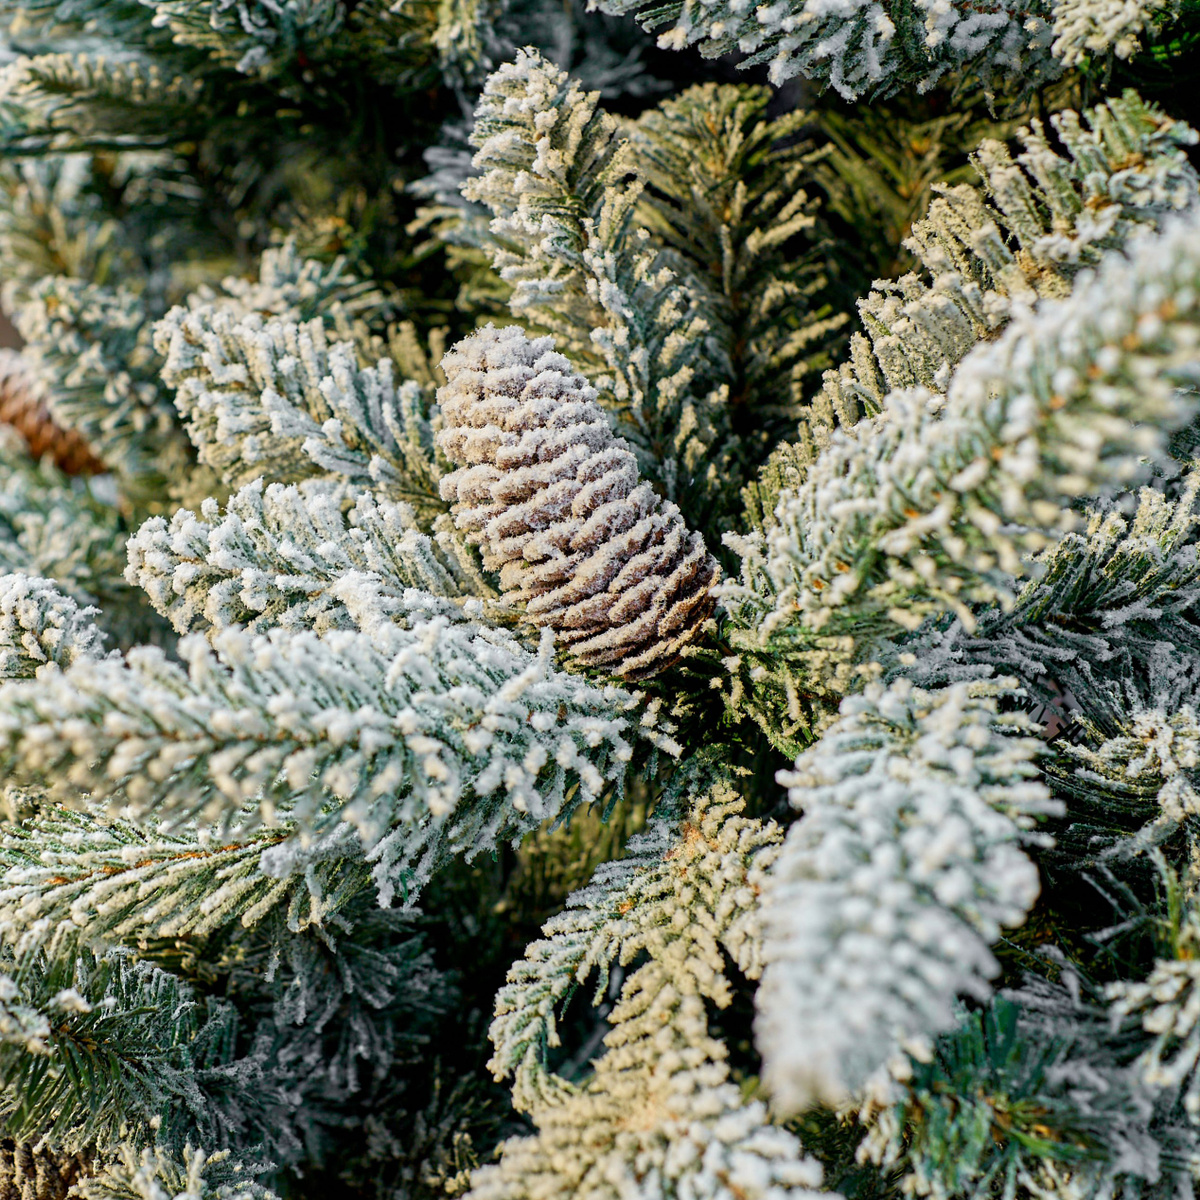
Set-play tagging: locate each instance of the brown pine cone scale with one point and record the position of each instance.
(21, 407)
(553, 499)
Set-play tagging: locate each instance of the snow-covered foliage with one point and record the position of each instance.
(65, 872)
(1167, 1003)
(729, 196)
(24, 408)
(1044, 1056)
(931, 504)
(1107, 617)
(273, 396)
(446, 738)
(1147, 765)
(156, 1175)
(275, 558)
(65, 530)
(57, 1016)
(399, 379)
(1086, 28)
(868, 48)
(91, 341)
(555, 500)
(660, 1110)
(904, 867)
(1039, 219)
(40, 626)
(862, 47)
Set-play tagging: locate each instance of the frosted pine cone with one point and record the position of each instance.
(21, 408)
(553, 499)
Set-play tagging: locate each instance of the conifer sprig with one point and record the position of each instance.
(937, 498)
(1037, 219)
(906, 864)
(562, 186)
(275, 556)
(449, 738)
(661, 1104)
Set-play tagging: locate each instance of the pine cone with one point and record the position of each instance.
(21, 408)
(26, 1174)
(553, 499)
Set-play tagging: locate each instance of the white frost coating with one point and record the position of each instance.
(660, 1117)
(24, 407)
(276, 554)
(860, 45)
(685, 892)
(71, 876)
(54, 527)
(255, 39)
(39, 626)
(948, 493)
(442, 739)
(155, 1175)
(269, 396)
(1098, 27)
(555, 501)
(1155, 755)
(889, 890)
(21, 1024)
(1039, 216)
(1167, 1004)
(291, 286)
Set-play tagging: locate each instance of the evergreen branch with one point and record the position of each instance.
(1033, 1092)
(890, 888)
(1110, 621)
(930, 504)
(1023, 234)
(102, 1051)
(275, 558)
(56, 527)
(40, 626)
(444, 739)
(1148, 766)
(51, 223)
(156, 1174)
(89, 345)
(562, 187)
(69, 876)
(701, 863)
(406, 46)
(1086, 29)
(345, 1012)
(660, 1106)
(863, 47)
(1167, 1004)
(725, 194)
(274, 397)
(298, 289)
(78, 97)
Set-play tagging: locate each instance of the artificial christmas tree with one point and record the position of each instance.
(527, 671)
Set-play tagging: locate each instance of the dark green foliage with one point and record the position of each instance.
(1033, 1088)
(112, 1050)
(725, 191)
